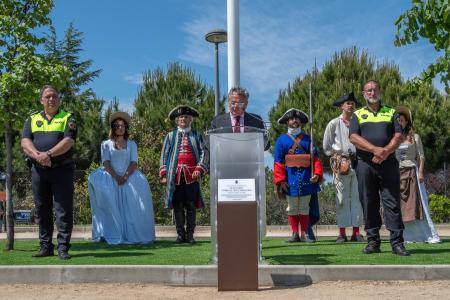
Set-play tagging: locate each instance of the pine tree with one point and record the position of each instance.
(82, 103)
(347, 71)
(162, 91)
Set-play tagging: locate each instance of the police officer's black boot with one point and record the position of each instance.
(400, 250)
(179, 223)
(373, 241)
(64, 254)
(45, 250)
(397, 243)
(190, 222)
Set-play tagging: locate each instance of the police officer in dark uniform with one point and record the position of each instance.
(376, 133)
(48, 138)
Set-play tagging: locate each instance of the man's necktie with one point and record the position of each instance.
(237, 125)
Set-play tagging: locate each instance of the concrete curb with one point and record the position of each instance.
(207, 275)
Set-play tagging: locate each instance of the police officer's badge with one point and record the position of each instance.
(39, 123)
(364, 116)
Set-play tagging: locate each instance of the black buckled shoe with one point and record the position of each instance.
(341, 239)
(64, 254)
(180, 239)
(370, 248)
(357, 238)
(306, 239)
(190, 238)
(294, 239)
(44, 251)
(400, 250)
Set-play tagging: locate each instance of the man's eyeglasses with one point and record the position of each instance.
(237, 104)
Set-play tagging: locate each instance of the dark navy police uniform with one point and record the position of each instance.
(375, 180)
(53, 186)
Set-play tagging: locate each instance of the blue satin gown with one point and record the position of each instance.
(121, 214)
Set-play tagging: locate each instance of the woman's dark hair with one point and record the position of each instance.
(408, 131)
(112, 131)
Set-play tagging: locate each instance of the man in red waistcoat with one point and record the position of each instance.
(184, 159)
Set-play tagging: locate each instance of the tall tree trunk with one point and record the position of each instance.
(9, 203)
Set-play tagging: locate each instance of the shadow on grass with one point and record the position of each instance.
(110, 254)
(162, 244)
(428, 251)
(103, 250)
(286, 245)
(300, 259)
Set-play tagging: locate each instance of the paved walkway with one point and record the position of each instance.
(84, 232)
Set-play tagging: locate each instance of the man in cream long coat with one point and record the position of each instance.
(336, 141)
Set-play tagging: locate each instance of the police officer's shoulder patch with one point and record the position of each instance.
(72, 124)
(364, 116)
(39, 123)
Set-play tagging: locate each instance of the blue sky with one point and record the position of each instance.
(279, 40)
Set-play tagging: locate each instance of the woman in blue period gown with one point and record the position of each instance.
(413, 196)
(121, 201)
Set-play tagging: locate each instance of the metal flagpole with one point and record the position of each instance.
(233, 43)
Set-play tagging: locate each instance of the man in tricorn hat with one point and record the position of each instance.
(292, 171)
(184, 159)
(336, 144)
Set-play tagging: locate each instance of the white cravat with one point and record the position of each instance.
(184, 130)
(294, 131)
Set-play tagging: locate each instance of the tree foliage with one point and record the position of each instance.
(440, 208)
(430, 20)
(347, 71)
(162, 91)
(22, 69)
(84, 104)
(22, 72)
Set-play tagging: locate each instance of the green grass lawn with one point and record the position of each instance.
(276, 251)
(327, 252)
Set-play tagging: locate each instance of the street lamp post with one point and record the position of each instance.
(216, 36)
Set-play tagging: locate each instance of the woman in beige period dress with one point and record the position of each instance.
(413, 196)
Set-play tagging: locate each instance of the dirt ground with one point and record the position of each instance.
(323, 290)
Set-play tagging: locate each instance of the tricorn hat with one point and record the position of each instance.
(347, 97)
(403, 110)
(182, 110)
(293, 113)
(119, 115)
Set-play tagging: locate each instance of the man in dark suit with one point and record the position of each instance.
(237, 120)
